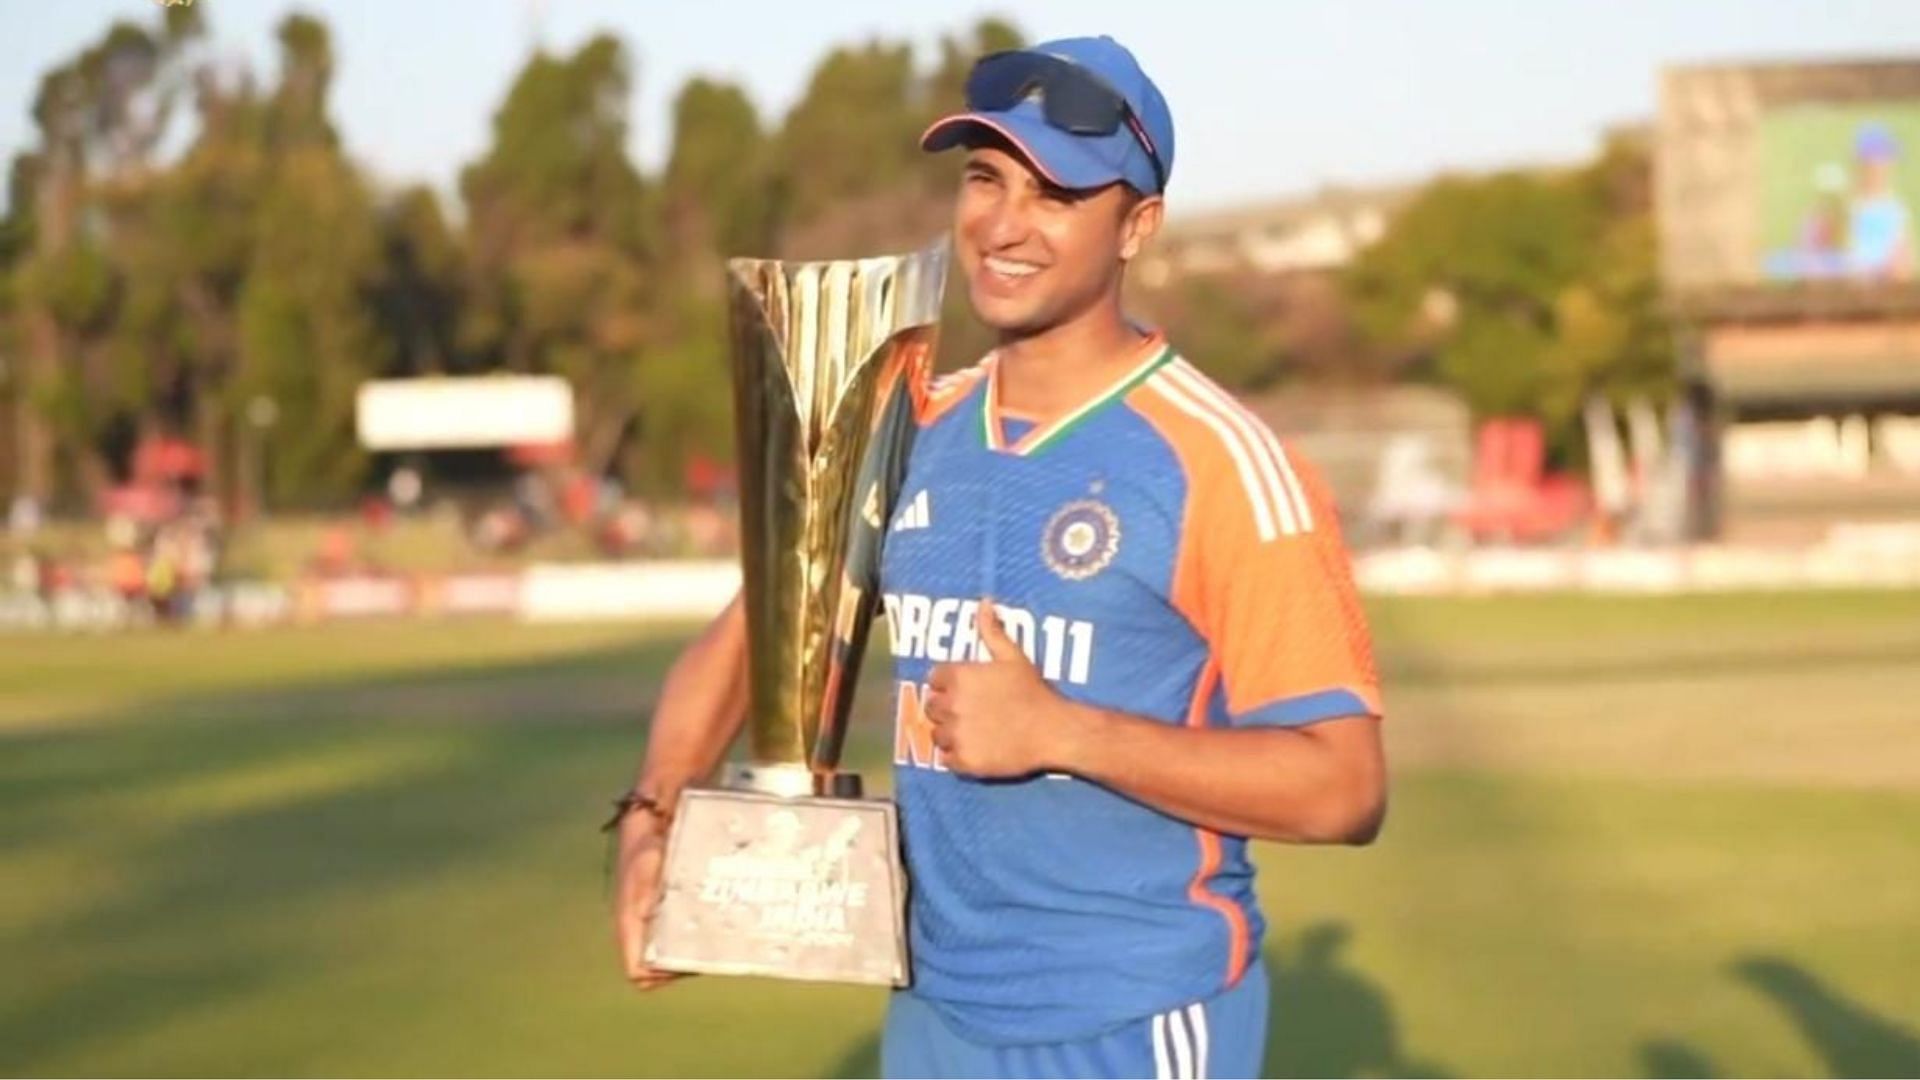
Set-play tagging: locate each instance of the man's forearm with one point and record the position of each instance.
(1324, 783)
(702, 705)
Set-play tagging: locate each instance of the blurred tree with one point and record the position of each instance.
(139, 294)
(719, 198)
(1529, 290)
(1499, 250)
(1613, 338)
(719, 195)
(1613, 335)
(422, 286)
(849, 157)
(297, 109)
(307, 332)
(16, 242)
(851, 135)
(204, 222)
(78, 195)
(557, 227)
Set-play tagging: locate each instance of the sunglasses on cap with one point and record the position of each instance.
(1072, 98)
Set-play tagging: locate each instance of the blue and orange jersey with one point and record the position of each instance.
(1158, 552)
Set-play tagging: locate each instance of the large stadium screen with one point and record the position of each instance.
(1839, 189)
(1776, 177)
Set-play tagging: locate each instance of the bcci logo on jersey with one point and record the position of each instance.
(1080, 539)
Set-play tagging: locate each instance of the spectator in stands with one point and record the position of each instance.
(1821, 248)
(1880, 223)
(336, 555)
(127, 575)
(163, 577)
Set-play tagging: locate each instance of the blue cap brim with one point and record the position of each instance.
(1065, 160)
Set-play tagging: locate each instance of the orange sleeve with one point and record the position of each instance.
(1282, 615)
(1262, 571)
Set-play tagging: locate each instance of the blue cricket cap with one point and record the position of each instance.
(1078, 162)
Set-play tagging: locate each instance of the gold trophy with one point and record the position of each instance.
(788, 871)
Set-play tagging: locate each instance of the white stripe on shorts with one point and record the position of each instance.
(1197, 1020)
(1160, 1068)
(1182, 1046)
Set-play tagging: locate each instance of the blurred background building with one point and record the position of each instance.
(1787, 195)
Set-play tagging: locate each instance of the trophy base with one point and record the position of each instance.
(785, 886)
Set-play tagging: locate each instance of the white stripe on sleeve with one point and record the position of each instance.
(1236, 448)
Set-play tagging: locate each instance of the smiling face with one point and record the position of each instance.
(1037, 256)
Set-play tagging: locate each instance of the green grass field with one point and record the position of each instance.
(1642, 837)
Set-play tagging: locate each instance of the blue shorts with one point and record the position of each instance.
(1224, 1036)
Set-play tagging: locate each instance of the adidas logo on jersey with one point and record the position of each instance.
(916, 513)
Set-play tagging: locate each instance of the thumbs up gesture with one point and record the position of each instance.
(996, 717)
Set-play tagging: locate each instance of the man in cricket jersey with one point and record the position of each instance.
(1124, 631)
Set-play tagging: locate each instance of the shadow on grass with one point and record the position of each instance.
(862, 1059)
(1329, 1018)
(1851, 1039)
(1848, 1038)
(1673, 1058)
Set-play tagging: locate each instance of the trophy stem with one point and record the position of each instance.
(790, 781)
